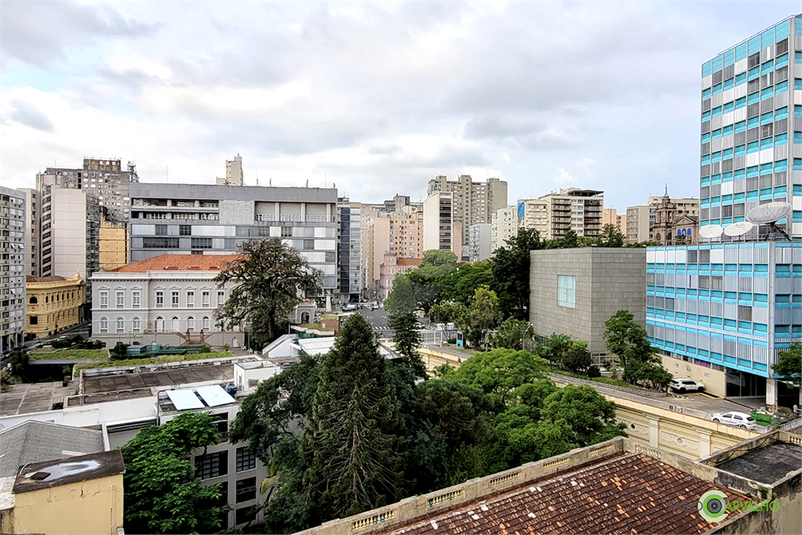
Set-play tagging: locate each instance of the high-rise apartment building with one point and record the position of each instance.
(31, 230)
(479, 242)
(12, 268)
(554, 214)
(113, 242)
(440, 230)
(399, 233)
(104, 179)
(610, 216)
(640, 220)
(727, 306)
(211, 219)
(349, 252)
(69, 233)
(504, 226)
(233, 173)
(473, 202)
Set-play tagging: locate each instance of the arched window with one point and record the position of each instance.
(120, 325)
(104, 325)
(190, 323)
(136, 324)
(159, 324)
(175, 327)
(33, 300)
(207, 323)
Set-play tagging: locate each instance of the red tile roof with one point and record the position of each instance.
(52, 278)
(409, 261)
(179, 262)
(629, 493)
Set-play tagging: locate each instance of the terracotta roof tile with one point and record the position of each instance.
(178, 262)
(630, 493)
(409, 261)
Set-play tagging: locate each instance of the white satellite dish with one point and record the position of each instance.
(738, 229)
(711, 231)
(769, 214)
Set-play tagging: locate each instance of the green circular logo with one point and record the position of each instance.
(713, 506)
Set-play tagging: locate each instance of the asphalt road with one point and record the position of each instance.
(378, 320)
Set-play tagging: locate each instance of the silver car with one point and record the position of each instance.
(738, 419)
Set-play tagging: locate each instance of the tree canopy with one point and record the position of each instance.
(510, 267)
(789, 365)
(162, 494)
(270, 280)
(627, 338)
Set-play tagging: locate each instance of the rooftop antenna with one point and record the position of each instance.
(769, 214)
(738, 229)
(711, 232)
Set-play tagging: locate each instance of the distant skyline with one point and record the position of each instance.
(375, 98)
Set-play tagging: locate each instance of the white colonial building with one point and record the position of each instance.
(167, 300)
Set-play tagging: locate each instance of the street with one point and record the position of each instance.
(378, 320)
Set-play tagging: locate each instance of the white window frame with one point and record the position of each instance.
(136, 298)
(119, 325)
(566, 291)
(221, 297)
(159, 298)
(191, 323)
(190, 298)
(174, 299)
(136, 324)
(206, 298)
(104, 299)
(207, 323)
(119, 299)
(104, 325)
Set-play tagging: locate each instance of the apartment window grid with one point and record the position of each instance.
(246, 489)
(211, 465)
(246, 460)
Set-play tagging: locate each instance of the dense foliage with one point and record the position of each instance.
(270, 277)
(162, 494)
(627, 338)
(789, 365)
(350, 431)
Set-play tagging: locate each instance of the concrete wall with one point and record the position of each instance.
(715, 381)
(93, 507)
(606, 280)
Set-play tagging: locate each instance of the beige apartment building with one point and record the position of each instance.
(473, 202)
(113, 239)
(554, 214)
(665, 217)
(503, 226)
(397, 233)
(610, 216)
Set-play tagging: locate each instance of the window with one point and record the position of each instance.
(136, 325)
(174, 298)
(744, 313)
(159, 324)
(191, 323)
(161, 230)
(160, 243)
(104, 299)
(33, 301)
(159, 298)
(104, 325)
(246, 489)
(245, 459)
(120, 299)
(34, 320)
(206, 323)
(120, 325)
(211, 465)
(286, 232)
(190, 298)
(201, 243)
(221, 298)
(184, 230)
(135, 298)
(243, 515)
(566, 291)
(205, 298)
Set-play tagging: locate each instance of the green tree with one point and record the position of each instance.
(510, 267)
(553, 348)
(577, 358)
(270, 279)
(20, 365)
(407, 341)
(581, 409)
(162, 494)
(611, 237)
(354, 448)
(789, 365)
(447, 312)
(627, 338)
(483, 315)
(459, 286)
(513, 334)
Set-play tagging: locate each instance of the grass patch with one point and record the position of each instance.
(315, 326)
(605, 380)
(70, 354)
(161, 359)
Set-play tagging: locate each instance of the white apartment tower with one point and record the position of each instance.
(12, 268)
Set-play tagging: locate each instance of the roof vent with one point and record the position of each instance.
(39, 476)
(171, 268)
(214, 267)
(193, 267)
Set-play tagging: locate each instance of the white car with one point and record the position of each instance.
(738, 419)
(686, 385)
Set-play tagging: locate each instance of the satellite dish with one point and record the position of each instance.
(738, 229)
(768, 213)
(711, 231)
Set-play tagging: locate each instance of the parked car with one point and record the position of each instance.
(738, 419)
(686, 385)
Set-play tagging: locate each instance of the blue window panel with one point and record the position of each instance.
(797, 137)
(765, 168)
(728, 84)
(740, 150)
(715, 179)
(798, 28)
(741, 52)
(740, 78)
(766, 143)
(715, 157)
(797, 216)
(797, 188)
(767, 118)
(738, 196)
(727, 154)
(781, 113)
(716, 111)
(729, 359)
(705, 202)
(766, 93)
(782, 60)
(729, 57)
(740, 103)
(727, 131)
(753, 122)
(782, 86)
(706, 93)
(717, 88)
(768, 66)
(740, 126)
(707, 68)
(781, 191)
(754, 45)
(705, 159)
(760, 366)
(706, 137)
(797, 108)
(781, 165)
(782, 139)
(754, 73)
(798, 57)
(716, 134)
(754, 97)
(753, 147)
(751, 196)
(715, 200)
(766, 194)
(760, 327)
(761, 268)
(781, 30)
(742, 362)
(706, 116)
(797, 167)
(767, 38)
(798, 83)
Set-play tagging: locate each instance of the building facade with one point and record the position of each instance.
(439, 224)
(504, 227)
(13, 223)
(234, 175)
(675, 221)
(166, 300)
(349, 252)
(610, 216)
(209, 219)
(391, 267)
(554, 214)
(472, 202)
(640, 220)
(54, 304)
(113, 243)
(31, 230)
(479, 242)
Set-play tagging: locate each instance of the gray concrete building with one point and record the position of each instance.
(574, 291)
(211, 219)
(480, 242)
(12, 268)
(349, 253)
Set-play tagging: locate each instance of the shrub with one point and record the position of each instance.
(60, 344)
(593, 371)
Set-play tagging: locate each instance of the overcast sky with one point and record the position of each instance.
(375, 98)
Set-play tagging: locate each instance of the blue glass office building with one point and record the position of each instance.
(730, 304)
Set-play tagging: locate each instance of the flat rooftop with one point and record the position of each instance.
(767, 464)
(130, 379)
(25, 398)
